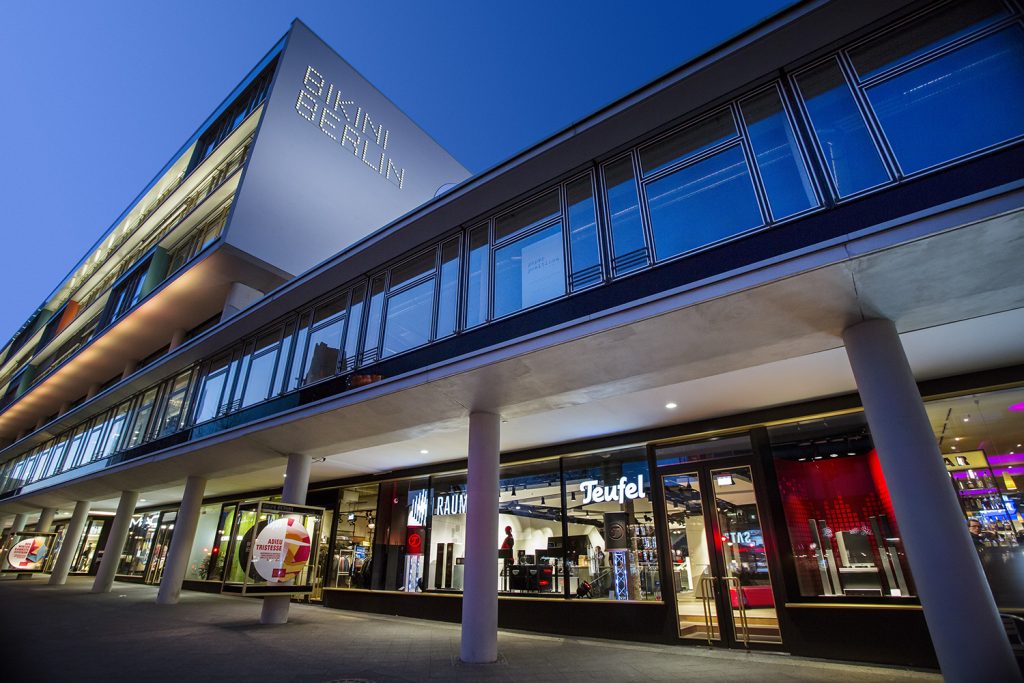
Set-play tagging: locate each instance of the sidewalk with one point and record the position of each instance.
(57, 634)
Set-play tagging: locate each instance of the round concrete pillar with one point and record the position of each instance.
(480, 594)
(962, 618)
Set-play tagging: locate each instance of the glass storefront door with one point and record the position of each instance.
(161, 544)
(722, 588)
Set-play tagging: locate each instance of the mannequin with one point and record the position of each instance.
(506, 552)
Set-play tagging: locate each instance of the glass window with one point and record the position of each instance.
(175, 403)
(689, 141)
(112, 442)
(842, 527)
(323, 351)
(531, 544)
(777, 154)
(413, 269)
(89, 451)
(334, 307)
(371, 342)
(628, 249)
(71, 459)
(138, 432)
(959, 103)
(846, 145)
(531, 214)
(981, 438)
(529, 271)
(261, 373)
(702, 203)
(353, 545)
(400, 542)
(476, 291)
(611, 548)
(261, 361)
(904, 43)
(137, 546)
(355, 318)
(200, 558)
(295, 373)
(208, 405)
(581, 216)
(448, 302)
(409, 316)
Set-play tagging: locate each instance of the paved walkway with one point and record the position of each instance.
(57, 634)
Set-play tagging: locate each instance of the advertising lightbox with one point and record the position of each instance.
(273, 549)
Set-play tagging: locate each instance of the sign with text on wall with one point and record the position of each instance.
(273, 549)
(28, 552)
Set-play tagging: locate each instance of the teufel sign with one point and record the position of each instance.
(594, 492)
(281, 551)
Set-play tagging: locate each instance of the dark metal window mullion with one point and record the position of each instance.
(764, 205)
(645, 212)
(892, 166)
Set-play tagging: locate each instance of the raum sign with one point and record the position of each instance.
(594, 492)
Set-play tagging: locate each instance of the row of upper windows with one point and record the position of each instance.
(125, 282)
(734, 170)
(244, 105)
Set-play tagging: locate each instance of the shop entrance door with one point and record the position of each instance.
(161, 544)
(722, 588)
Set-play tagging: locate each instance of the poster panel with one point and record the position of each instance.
(272, 549)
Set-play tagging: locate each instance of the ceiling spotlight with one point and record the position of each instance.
(959, 438)
(833, 455)
(967, 419)
(671, 406)
(423, 451)
(952, 448)
(142, 500)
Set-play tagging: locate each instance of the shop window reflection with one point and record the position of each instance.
(351, 563)
(980, 437)
(611, 548)
(839, 515)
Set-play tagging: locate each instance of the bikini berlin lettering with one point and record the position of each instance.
(348, 124)
(594, 492)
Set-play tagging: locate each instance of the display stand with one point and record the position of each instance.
(271, 547)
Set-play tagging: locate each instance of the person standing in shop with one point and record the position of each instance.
(980, 537)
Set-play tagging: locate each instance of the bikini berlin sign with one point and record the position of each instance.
(594, 492)
(348, 124)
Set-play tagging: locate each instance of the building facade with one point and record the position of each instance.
(733, 361)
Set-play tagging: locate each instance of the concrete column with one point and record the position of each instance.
(962, 618)
(17, 525)
(296, 483)
(45, 520)
(115, 542)
(240, 297)
(76, 526)
(480, 594)
(177, 339)
(129, 368)
(181, 541)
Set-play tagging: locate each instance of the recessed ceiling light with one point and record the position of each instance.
(952, 448)
(833, 455)
(671, 406)
(142, 500)
(967, 419)
(959, 438)
(423, 451)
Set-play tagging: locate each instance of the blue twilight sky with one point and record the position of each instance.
(99, 95)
